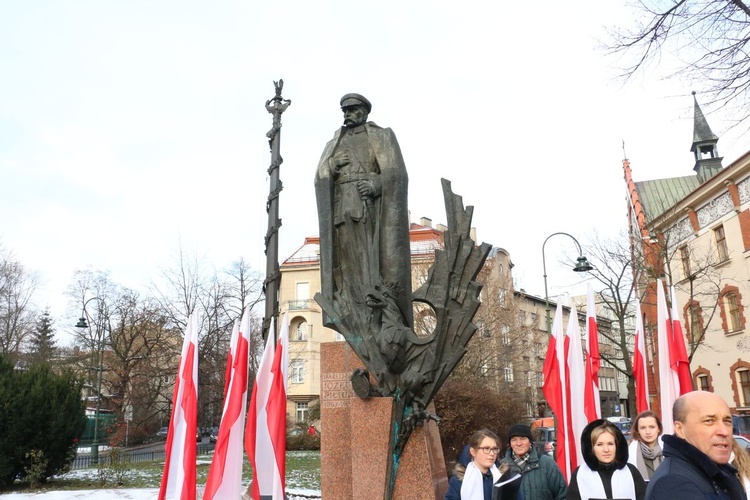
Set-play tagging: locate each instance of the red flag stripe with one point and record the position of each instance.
(639, 364)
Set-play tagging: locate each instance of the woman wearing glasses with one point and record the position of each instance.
(474, 482)
(605, 472)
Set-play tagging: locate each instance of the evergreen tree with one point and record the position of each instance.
(42, 341)
(41, 418)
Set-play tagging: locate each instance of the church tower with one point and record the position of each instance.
(707, 160)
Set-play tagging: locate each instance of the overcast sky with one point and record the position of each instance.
(129, 129)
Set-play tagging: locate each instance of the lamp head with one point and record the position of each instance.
(82, 323)
(582, 265)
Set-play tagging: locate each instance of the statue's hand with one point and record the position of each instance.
(366, 189)
(340, 159)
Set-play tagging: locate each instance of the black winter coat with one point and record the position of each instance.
(689, 474)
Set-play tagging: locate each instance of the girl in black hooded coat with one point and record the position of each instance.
(605, 473)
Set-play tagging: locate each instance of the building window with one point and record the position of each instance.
(484, 368)
(743, 378)
(685, 258)
(703, 380)
(732, 316)
(733, 310)
(300, 332)
(298, 371)
(694, 321)
(721, 243)
(485, 332)
(607, 384)
(505, 334)
(740, 376)
(303, 296)
(508, 372)
(301, 414)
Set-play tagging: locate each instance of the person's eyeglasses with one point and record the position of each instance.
(487, 450)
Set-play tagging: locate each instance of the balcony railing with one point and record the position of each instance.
(296, 305)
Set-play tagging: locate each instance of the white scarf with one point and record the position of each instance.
(635, 457)
(472, 487)
(590, 483)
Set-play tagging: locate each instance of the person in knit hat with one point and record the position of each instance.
(541, 479)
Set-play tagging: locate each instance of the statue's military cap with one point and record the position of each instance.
(355, 100)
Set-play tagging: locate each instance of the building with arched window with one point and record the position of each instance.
(693, 232)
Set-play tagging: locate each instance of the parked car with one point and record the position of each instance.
(624, 426)
(741, 425)
(162, 433)
(214, 435)
(743, 441)
(295, 431)
(544, 440)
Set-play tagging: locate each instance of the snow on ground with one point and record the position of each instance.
(85, 450)
(112, 494)
(124, 494)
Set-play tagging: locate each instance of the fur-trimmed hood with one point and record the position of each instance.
(621, 455)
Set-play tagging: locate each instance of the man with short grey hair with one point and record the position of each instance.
(696, 464)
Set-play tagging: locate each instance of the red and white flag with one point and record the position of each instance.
(639, 363)
(678, 355)
(669, 383)
(576, 378)
(264, 448)
(591, 403)
(179, 479)
(225, 475)
(230, 356)
(277, 409)
(554, 382)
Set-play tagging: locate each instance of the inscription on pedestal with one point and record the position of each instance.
(336, 390)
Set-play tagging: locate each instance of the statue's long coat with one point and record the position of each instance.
(391, 206)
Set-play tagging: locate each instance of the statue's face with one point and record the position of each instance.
(354, 116)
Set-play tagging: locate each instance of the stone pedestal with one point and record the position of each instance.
(355, 436)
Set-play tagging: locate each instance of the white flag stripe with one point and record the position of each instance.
(178, 479)
(668, 383)
(576, 382)
(263, 444)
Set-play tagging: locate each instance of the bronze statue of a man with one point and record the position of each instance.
(361, 190)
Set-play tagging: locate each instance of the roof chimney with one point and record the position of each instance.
(425, 221)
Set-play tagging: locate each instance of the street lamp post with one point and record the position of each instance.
(83, 323)
(582, 265)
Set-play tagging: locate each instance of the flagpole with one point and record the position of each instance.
(276, 107)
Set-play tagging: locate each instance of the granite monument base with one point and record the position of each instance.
(355, 436)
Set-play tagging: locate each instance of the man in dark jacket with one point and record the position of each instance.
(696, 458)
(541, 478)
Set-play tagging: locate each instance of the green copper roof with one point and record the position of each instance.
(659, 195)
